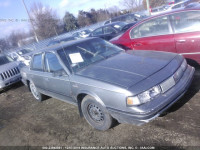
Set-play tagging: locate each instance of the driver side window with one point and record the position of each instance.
(51, 63)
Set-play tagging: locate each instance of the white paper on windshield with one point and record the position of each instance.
(116, 26)
(76, 58)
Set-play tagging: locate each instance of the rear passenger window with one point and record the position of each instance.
(186, 21)
(37, 62)
(158, 26)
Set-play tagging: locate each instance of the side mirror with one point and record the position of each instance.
(59, 73)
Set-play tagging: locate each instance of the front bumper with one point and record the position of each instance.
(168, 99)
(10, 81)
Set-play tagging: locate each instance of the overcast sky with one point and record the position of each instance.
(13, 14)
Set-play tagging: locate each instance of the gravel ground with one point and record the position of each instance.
(26, 122)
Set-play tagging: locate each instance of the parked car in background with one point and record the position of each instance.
(106, 83)
(60, 40)
(22, 55)
(172, 7)
(195, 5)
(128, 18)
(177, 6)
(157, 10)
(177, 32)
(109, 31)
(9, 71)
(82, 34)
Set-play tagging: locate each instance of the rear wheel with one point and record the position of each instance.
(37, 95)
(95, 114)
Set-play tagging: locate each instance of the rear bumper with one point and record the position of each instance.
(10, 81)
(170, 97)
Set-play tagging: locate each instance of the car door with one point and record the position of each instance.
(56, 79)
(109, 33)
(155, 34)
(186, 27)
(37, 71)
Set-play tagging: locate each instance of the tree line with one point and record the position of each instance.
(47, 24)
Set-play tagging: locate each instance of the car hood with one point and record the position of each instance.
(126, 69)
(8, 66)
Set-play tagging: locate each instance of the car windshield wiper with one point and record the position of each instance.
(94, 54)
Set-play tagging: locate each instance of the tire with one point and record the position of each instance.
(95, 114)
(37, 95)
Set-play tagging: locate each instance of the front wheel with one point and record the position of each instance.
(38, 96)
(95, 114)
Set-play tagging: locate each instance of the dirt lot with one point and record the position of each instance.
(26, 122)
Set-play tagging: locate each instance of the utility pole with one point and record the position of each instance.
(148, 8)
(36, 38)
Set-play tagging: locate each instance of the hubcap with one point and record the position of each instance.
(34, 91)
(95, 113)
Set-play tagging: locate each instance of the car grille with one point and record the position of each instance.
(9, 73)
(166, 85)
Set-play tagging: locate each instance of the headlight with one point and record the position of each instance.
(143, 97)
(23, 75)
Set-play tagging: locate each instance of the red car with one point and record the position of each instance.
(177, 32)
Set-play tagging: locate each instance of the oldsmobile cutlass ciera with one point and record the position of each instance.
(107, 83)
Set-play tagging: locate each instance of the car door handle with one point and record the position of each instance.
(138, 44)
(181, 41)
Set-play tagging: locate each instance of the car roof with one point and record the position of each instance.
(110, 24)
(63, 45)
(168, 13)
(123, 15)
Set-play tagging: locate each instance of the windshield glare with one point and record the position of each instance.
(23, 52)
(5, 60)
(83, 54)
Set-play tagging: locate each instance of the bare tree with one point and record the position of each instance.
(154, 3)
(132, 5)
(4, 45)
(84, 18)
(45, 21)
(15, 37)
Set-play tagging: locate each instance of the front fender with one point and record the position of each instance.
(91, 94)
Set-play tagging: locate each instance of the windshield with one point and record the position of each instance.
(83, 54)
(119, 25)
(5, 60)
(23, 52)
